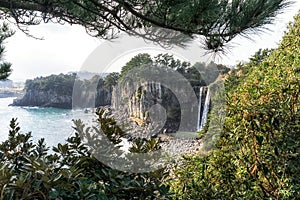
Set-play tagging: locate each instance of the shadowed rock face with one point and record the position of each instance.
(90, 94)
(57, 91)
(151, 103)
(103, 96)
(48, 98)
(51, 98)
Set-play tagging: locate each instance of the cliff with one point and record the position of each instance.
(57, 91)
(41, 98)
(167, 107)
(163, 96)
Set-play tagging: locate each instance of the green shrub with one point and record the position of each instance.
(30, 171)
(257, 155)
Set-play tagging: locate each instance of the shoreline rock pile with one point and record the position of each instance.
(174, 146)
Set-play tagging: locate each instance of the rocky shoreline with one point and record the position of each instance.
(174, 146)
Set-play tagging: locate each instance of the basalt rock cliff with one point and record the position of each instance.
(57, 91)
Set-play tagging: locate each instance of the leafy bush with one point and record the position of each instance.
(257, 155)
(30, 171)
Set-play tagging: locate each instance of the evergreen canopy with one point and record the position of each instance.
(217, 20)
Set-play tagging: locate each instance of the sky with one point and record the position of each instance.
(65, 48)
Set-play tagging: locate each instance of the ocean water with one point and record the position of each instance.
(55, 125)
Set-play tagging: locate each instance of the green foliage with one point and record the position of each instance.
(30, 171)
(219, 21)
(62, 83)
(140, 60)
(111, 80)
(5, 67)
(166, 60)
(5, 70)
(137, 64)
(257, 155)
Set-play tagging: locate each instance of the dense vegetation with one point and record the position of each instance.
(191, 73)
(58, 91)
(29, 171)
(62, 83)
(256, 156)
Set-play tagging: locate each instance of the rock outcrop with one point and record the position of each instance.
(57, 91)
(48, 98)
(154, 107)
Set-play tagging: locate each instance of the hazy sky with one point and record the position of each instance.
(65, 48)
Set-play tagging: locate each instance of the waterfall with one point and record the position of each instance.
(199, 108)
(203, 113)
(205, 110)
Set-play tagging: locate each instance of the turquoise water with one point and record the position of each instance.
(55, 125)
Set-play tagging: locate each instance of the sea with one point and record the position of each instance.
(53, 124)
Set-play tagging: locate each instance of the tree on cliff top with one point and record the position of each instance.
(219, 21)
(111, 80)
(139, 60)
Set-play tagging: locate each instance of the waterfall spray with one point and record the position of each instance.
(199, 108)
(205, 110)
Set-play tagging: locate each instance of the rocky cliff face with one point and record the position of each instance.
(48, 98)
(90, 95)
(51, 98)
(151, 103)
(57, 91)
